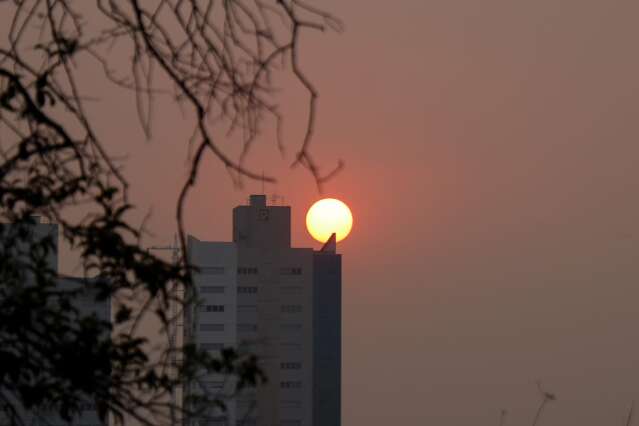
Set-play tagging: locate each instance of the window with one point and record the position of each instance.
(212, 421)
(290, 403)
(214, 384)
(290, 423)
(291, 309)
(212, 308)
(211, 346)
(291, 327)
(211, 327)
(248, 421)
(291, 346)
(211, 270)
(247, 308)
(291, 289)
(212, 289)
(247, 290)
(291, 384)
(246, 347)
(247, 327)
(291, 365)
(244, 270)
(291, 271)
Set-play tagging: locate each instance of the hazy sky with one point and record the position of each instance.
(491, 166)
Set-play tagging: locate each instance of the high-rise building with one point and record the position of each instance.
(259, 294)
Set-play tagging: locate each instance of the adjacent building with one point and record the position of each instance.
(86, 304)
(259, 294)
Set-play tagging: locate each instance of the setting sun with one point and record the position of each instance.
(327, 216)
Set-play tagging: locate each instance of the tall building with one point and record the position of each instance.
(85, 303)
(259, 294)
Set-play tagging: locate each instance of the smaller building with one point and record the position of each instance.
(85, 302)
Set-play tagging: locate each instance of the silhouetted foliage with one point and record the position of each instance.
(218, 57)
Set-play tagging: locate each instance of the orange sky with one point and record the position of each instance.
(491, 167)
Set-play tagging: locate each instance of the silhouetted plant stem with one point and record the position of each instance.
(546, 397)
(629, 418)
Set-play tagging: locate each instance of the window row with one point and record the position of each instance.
(291, 289)
(214, 384)
(291, 346)
(290, 422)
(291, 365)
(247, 327)
(211, 346)
(291, 271)
(211, 270)
(211, 327)
(212, 421)
(212, 308)
(291, 384)
(218, 289)
(291, 309)
(245, 270)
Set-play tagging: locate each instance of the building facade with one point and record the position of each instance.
(264, 297)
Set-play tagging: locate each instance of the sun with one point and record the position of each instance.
(329, 216)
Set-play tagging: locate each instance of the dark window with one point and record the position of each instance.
(291, 346)
(290, 365)
(247, 308)
(212, 289)
(291, 289)
(211, 327)
(246, 270)
(291, 384)
(211, 346)
(211, 270)
(212, 308)
(217, 384)
(213, 421)
(291, 271)
(291, 309)
(247, 290)
(247, 327)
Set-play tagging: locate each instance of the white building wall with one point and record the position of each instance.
(214, 318)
